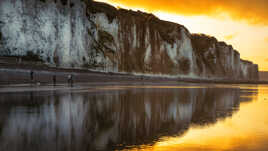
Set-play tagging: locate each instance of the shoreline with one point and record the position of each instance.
(20, 74)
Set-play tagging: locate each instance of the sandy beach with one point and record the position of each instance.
(20, 74)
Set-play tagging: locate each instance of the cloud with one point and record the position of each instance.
(230, 37)
(254, 12)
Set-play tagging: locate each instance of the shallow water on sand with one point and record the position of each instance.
(134, 117)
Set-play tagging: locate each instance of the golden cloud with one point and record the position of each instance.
(230, 37)
(254, 12)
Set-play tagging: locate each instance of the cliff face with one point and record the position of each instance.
(71, 33)
(218, 59)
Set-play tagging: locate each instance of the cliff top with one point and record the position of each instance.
(246, 61)
(112, 13)
(203, 41)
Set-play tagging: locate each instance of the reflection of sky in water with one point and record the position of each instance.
(244, 131)
(131, 117)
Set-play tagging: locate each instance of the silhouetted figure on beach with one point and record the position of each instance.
(32, 76)
(54, 80)
(70, 80)
(19, 60)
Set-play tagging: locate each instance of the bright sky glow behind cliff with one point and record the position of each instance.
(241, 23)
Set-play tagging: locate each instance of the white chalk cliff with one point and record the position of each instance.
(81, 33)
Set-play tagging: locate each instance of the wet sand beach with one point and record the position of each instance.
(42, 75)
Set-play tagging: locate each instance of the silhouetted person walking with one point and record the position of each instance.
(32, 76)
(54, 80)
(70, 80)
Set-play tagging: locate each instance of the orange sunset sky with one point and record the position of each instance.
(241, 23)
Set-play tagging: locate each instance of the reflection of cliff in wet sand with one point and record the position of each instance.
(109, 120)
